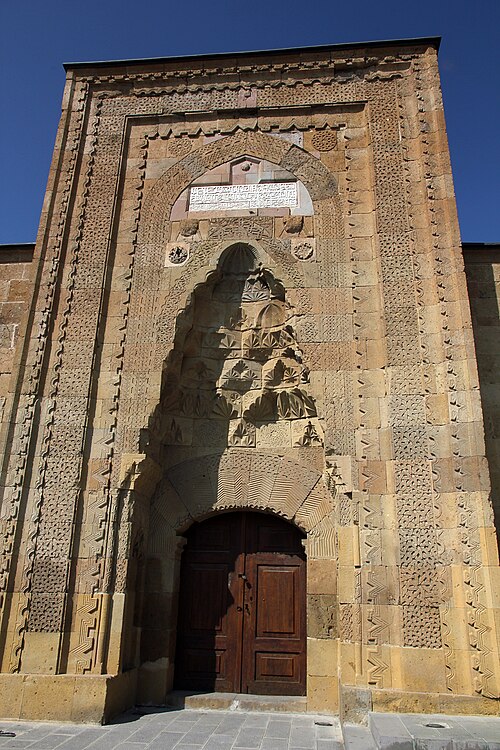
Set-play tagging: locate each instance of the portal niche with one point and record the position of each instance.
(236, 377)
(236, 429)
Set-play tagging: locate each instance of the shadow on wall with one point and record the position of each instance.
(484, 294)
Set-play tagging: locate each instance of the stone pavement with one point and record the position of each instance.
(187, 729)
(183, 729)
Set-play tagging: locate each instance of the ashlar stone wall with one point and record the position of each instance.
(482, 269)
(16, 289)
(310, 357)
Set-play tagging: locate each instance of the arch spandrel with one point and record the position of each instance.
(306, 168)
(240, 479)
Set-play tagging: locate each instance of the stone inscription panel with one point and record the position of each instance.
(237, 197)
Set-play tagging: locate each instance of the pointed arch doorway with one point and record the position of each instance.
(242, 608)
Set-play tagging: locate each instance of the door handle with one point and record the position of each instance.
(239, 609)
(242, 576)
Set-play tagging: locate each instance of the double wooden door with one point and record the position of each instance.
(241, 621)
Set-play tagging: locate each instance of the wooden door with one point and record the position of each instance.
(242, 607)
(274, 655)
(210, 623)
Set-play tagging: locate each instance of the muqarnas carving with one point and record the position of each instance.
(236, 367)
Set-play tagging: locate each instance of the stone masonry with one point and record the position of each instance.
(248, 292)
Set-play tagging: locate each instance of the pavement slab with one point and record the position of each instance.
(206, 729)
(183, 729)
(435, 732)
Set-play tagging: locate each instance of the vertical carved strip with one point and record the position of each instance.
(33, 370)
(101, 576)
(455, 339)
(72, 450)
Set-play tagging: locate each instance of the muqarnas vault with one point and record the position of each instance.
(242, 428)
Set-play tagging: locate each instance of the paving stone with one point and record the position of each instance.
(152, 731)
(50, 742)
(219, 742)
(274, 743)
(488, 731)
(358, 738)
(457, 733)
(249, 737)
(329, 744)
(279, 729)
(37, 732)
(302, 737)
(211, 720)
(256, 720)
(169, 739)
(389, 729)
(146, 732)
(196, 738)
(325, 732)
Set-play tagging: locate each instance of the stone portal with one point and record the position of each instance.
(248, 297)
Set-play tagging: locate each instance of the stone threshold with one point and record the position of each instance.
(237, 701)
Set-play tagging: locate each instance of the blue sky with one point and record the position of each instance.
(37, 36)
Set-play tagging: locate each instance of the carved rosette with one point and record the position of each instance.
(177, 254)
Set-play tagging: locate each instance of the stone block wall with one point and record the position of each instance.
(16, 291)
(482, 269)
(311, 359)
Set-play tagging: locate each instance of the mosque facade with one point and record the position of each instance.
(243, 436)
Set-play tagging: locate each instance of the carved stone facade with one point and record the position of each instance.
(297, 343)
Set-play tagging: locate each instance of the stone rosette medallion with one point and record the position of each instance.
(304, 249)
(177, 254)
(325, 140)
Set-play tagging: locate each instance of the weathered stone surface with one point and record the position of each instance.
(305, 352)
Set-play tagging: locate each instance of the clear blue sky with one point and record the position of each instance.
(37, 36)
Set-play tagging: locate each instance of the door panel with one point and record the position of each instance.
(208, 597)
(274, 666)
(274, 657)
(275, 601)
(210, 607)
(242, 607)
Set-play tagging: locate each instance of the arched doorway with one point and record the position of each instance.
(242, 611)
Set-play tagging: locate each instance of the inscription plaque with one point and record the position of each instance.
(233, 197)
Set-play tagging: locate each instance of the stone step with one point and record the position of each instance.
(237, 702)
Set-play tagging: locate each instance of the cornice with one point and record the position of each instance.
(304, 55)
(258, 77)
(262, 119)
